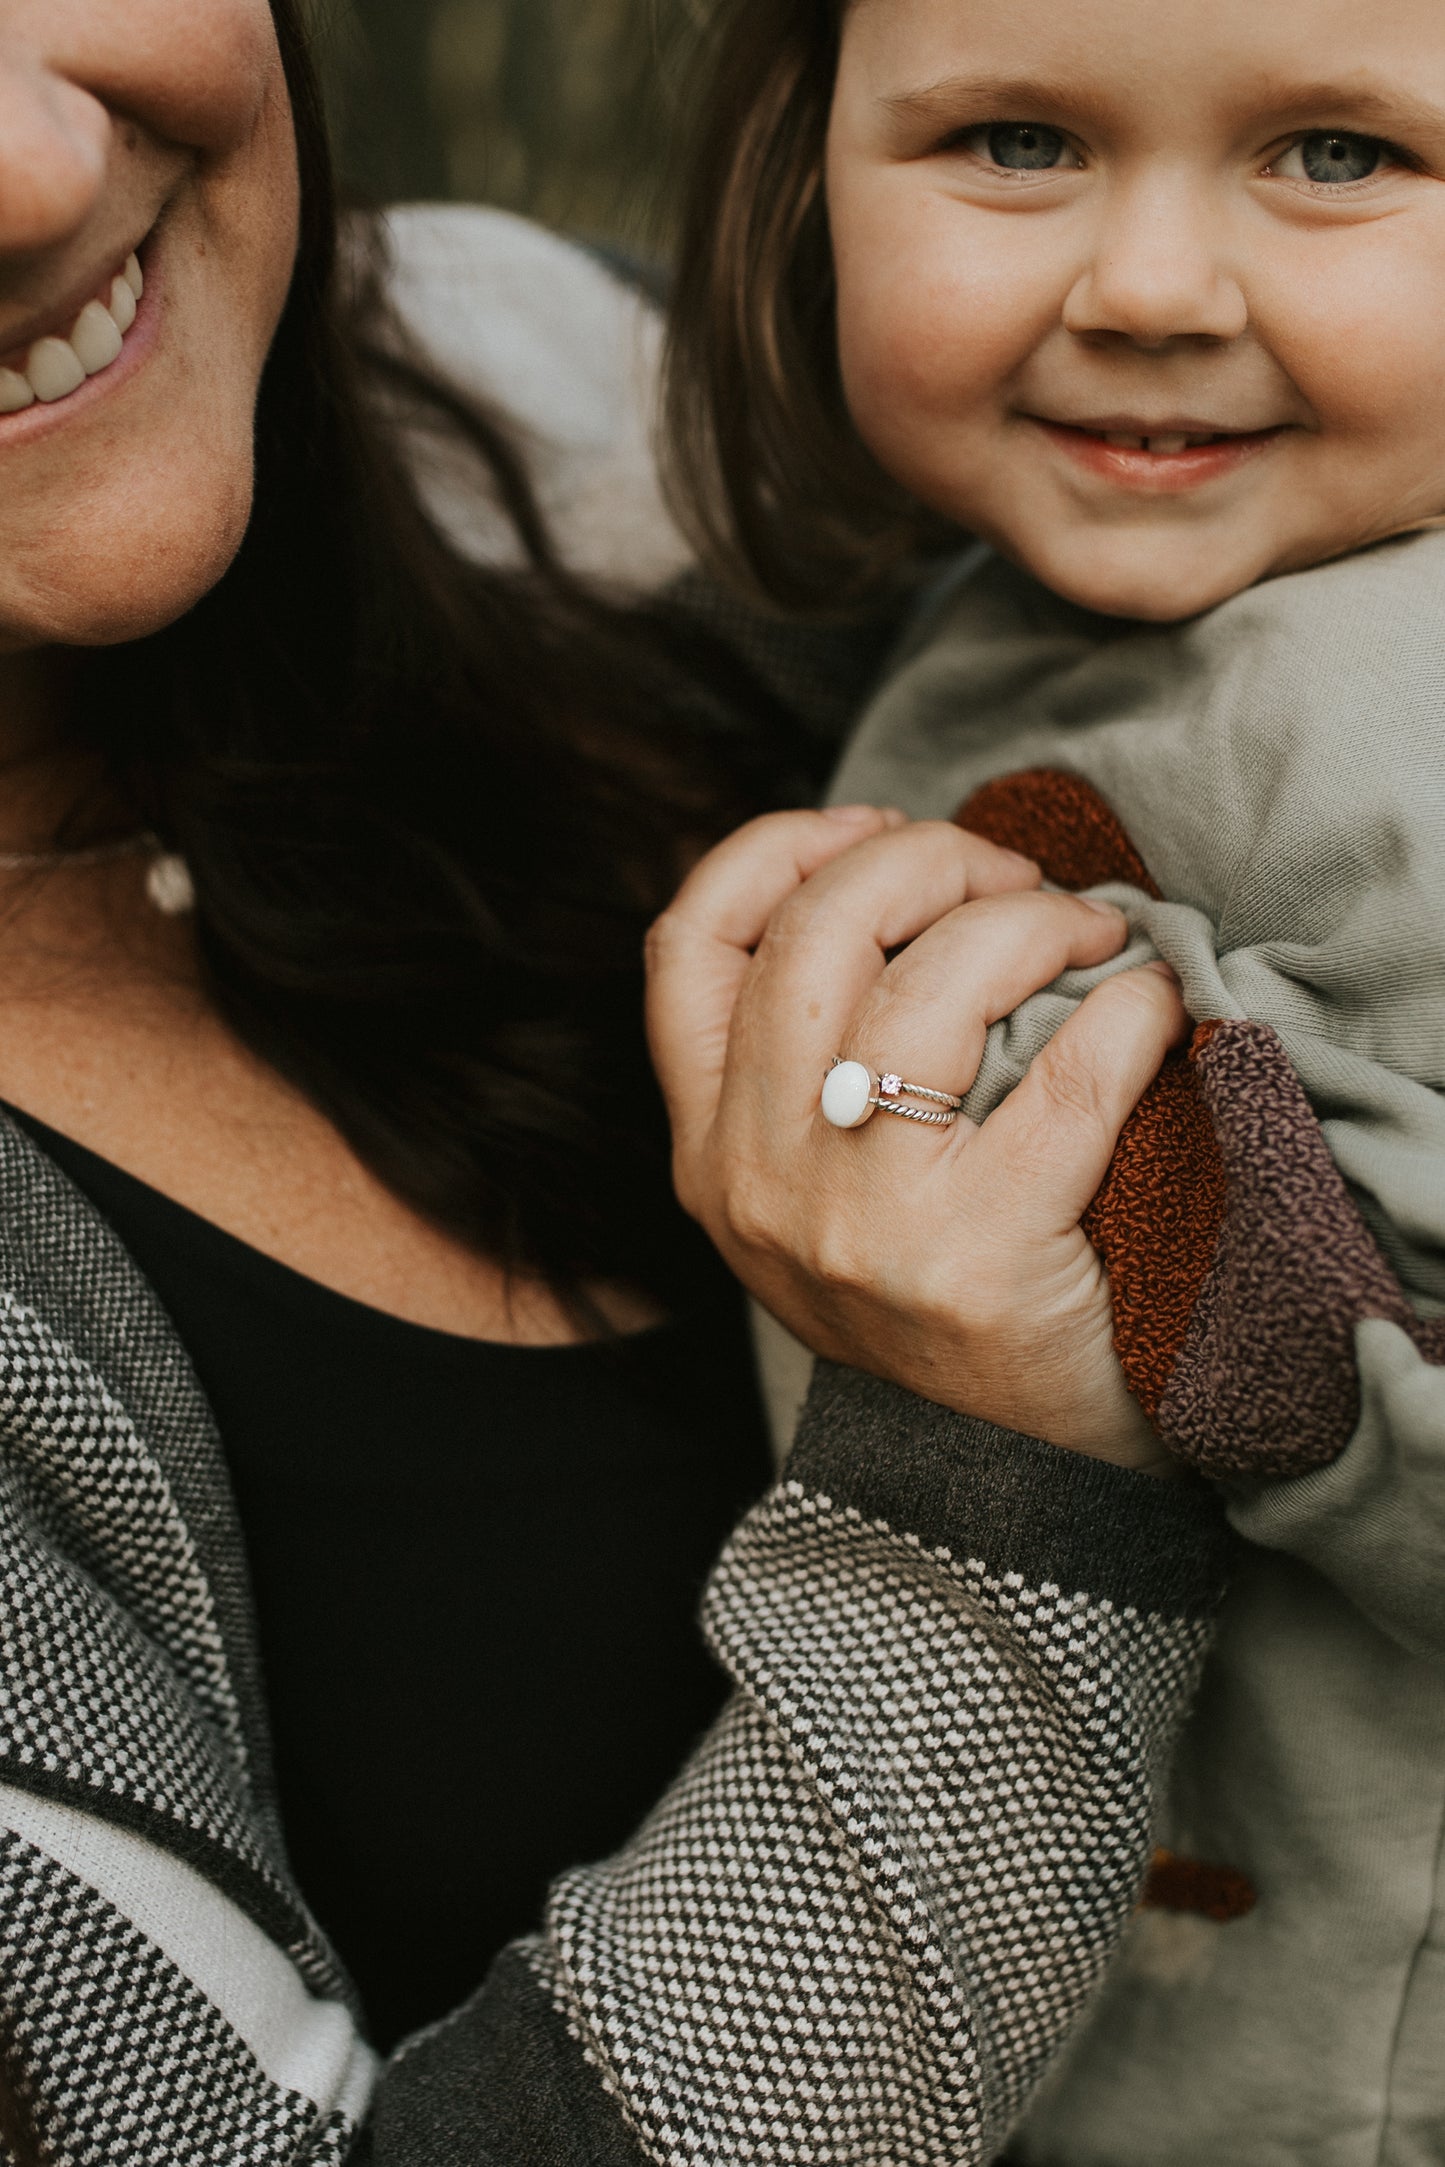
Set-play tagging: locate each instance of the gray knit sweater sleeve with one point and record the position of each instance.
(871, 1908)
(854, 1930)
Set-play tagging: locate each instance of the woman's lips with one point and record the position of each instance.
(33, 409)
(1142, 466)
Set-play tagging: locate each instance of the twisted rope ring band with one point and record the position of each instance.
(914, 1113)
(852, 1094)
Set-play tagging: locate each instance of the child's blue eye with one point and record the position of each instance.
(1024, 147)
(1332, 157)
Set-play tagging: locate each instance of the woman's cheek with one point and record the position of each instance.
(197, 72)
(250, 223)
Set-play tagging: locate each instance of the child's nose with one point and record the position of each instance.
(54, 139)
(1158, 270)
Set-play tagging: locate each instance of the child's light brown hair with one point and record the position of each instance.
(764, 467)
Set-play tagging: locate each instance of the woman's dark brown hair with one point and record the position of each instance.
(765, 468)
(429, 808)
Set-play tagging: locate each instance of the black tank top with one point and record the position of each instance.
(476, 1571)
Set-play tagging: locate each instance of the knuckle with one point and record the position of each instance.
(839, 1261)
(942, 835)
(1141, 1002)
(1026, 871)
(663, 939)
(689, 1187)
(1069, 1083)
(797, 919)
(954, 849)
(918, 983)
(978, 1309)
(748, 1214)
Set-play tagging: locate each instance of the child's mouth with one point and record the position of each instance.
(1161, 460)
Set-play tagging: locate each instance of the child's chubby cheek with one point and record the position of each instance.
(927, 346)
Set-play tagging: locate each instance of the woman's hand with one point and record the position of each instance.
(949, 1260)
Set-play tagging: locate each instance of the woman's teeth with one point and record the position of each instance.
(56, 367)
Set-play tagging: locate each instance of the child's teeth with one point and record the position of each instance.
(1167, 443)
(1126, 443)
(55, 369)
(15, 392)
(133, 275)
(95, 338)
(122, 305)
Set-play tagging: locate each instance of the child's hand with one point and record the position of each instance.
(949, 1260)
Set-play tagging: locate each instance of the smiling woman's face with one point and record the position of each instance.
(158, 130)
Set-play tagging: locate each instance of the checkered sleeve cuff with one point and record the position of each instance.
(1029, 1507)
(869, 1912)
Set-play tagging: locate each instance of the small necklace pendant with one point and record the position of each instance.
(169, 885)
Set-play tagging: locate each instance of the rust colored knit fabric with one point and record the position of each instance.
(1062, 823)
(1156, 1220)
(1211, 1892)
(1156, 1223)
(1238, 1262)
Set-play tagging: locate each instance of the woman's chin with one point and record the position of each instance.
(75, 591)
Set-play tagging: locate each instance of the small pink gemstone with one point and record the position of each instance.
(890, 1087)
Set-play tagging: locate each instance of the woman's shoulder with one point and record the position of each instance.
(551, 338)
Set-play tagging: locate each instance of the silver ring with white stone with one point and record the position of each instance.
(852, 1094)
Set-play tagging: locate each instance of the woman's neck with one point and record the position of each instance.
(32, 697)
(47, 779)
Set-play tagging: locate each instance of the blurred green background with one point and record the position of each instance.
(568, 110)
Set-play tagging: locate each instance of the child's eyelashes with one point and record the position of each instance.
(1016, 147)
(1333, 158)
(1326, 161)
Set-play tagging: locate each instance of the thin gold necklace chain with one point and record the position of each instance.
(168, 884)
(47, 861)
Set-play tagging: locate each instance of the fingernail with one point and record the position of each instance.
(850, 816)
(1105, 910)
(1165, 970)
(1019, 859)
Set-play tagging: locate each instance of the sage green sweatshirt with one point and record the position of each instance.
(1280, 766)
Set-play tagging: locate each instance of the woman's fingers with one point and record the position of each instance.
(731, 894)
(931, 1009)
(1047, 1148)
(700, 948)
(822, 897)
(828, 944)
(893, 887)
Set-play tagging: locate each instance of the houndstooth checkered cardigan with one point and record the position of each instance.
(854, 1931)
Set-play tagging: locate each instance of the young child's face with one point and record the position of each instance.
(1059, 223)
